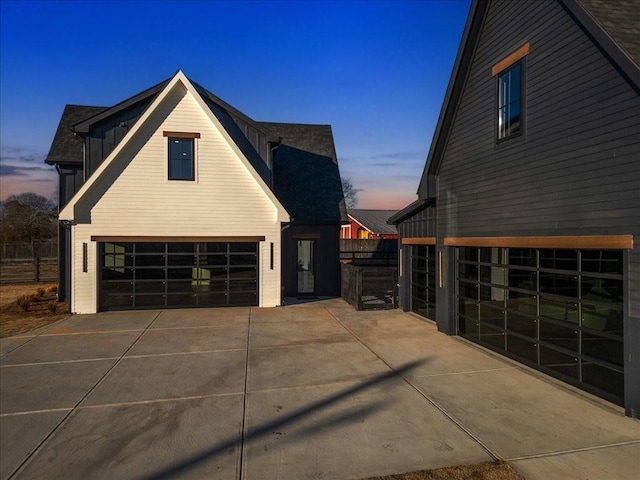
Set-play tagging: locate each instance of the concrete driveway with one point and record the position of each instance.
(311, 391)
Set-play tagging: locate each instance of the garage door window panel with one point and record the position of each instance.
(185, 274)
(603, 378)
(562, 310)
(147, 287)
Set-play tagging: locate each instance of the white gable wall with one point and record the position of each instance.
(133, 197)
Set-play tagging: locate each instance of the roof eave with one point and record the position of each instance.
(426, 189)
(410, 210)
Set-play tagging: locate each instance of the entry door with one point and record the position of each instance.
(306, 268)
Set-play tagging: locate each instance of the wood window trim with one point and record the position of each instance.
(509, 60)
(418, 241)
(180, 134)
(604, 242)
(120, 238)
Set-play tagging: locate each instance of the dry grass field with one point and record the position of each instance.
(27, 306)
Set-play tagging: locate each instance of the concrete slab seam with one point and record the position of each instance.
(306, 343)
(33, 337)
(574, 450)
(64, 419)
(217, 325)
(241, 461)
(325, 384)
(157, 400)
(173, 354)
(48, 410)
(442, 410)
(59, 362)
(91, 332)
(467, 372)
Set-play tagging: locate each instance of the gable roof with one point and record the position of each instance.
(614, 25)
(374, 220)
(68, 212)
(66, 148)
(306, 177)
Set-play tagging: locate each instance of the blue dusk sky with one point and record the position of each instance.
(376, 71)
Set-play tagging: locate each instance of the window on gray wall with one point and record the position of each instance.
(181, 156)
(510, 104)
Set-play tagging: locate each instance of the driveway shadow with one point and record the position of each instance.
(297, 415)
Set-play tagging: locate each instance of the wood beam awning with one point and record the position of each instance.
(146, 239)
(612, 242)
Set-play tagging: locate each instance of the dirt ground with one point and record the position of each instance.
(480, 471)
(42, 309)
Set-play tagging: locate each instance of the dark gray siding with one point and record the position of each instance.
(327, 258)
(257, 139)
(578, 165)
(71, 178)
(422, 224)
(576, 169)
(105, 135)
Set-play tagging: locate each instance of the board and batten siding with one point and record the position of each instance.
(133, 197)
(576, 168)
(106, 135)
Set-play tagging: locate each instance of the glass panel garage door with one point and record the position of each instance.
(423, 280)
(166, 275)
(560, 311)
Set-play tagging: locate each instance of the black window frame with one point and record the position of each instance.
(498, 109)
(192, 142)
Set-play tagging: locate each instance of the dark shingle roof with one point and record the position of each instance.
(316, 139)
(374, 220)
(66, 148)
(305, 173)
(620, 19)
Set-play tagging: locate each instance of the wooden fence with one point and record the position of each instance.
(39, 269)
(369, 287)
(373, 245)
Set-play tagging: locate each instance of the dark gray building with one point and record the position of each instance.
(525, 234)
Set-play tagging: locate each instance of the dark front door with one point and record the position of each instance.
(306, 267)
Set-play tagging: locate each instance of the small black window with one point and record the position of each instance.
(510, 102)
(181, 156)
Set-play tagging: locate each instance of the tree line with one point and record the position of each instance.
(28, 218)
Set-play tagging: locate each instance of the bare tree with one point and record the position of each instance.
(28, 217)
(350, 193)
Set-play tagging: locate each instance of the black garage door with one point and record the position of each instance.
(165, 275)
